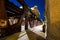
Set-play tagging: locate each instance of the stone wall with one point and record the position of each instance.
(53, 16)
(3, 14)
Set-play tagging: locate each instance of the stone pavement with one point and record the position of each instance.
(25, 35)
(29, 35)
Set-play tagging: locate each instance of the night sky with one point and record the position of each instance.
(31, 3)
